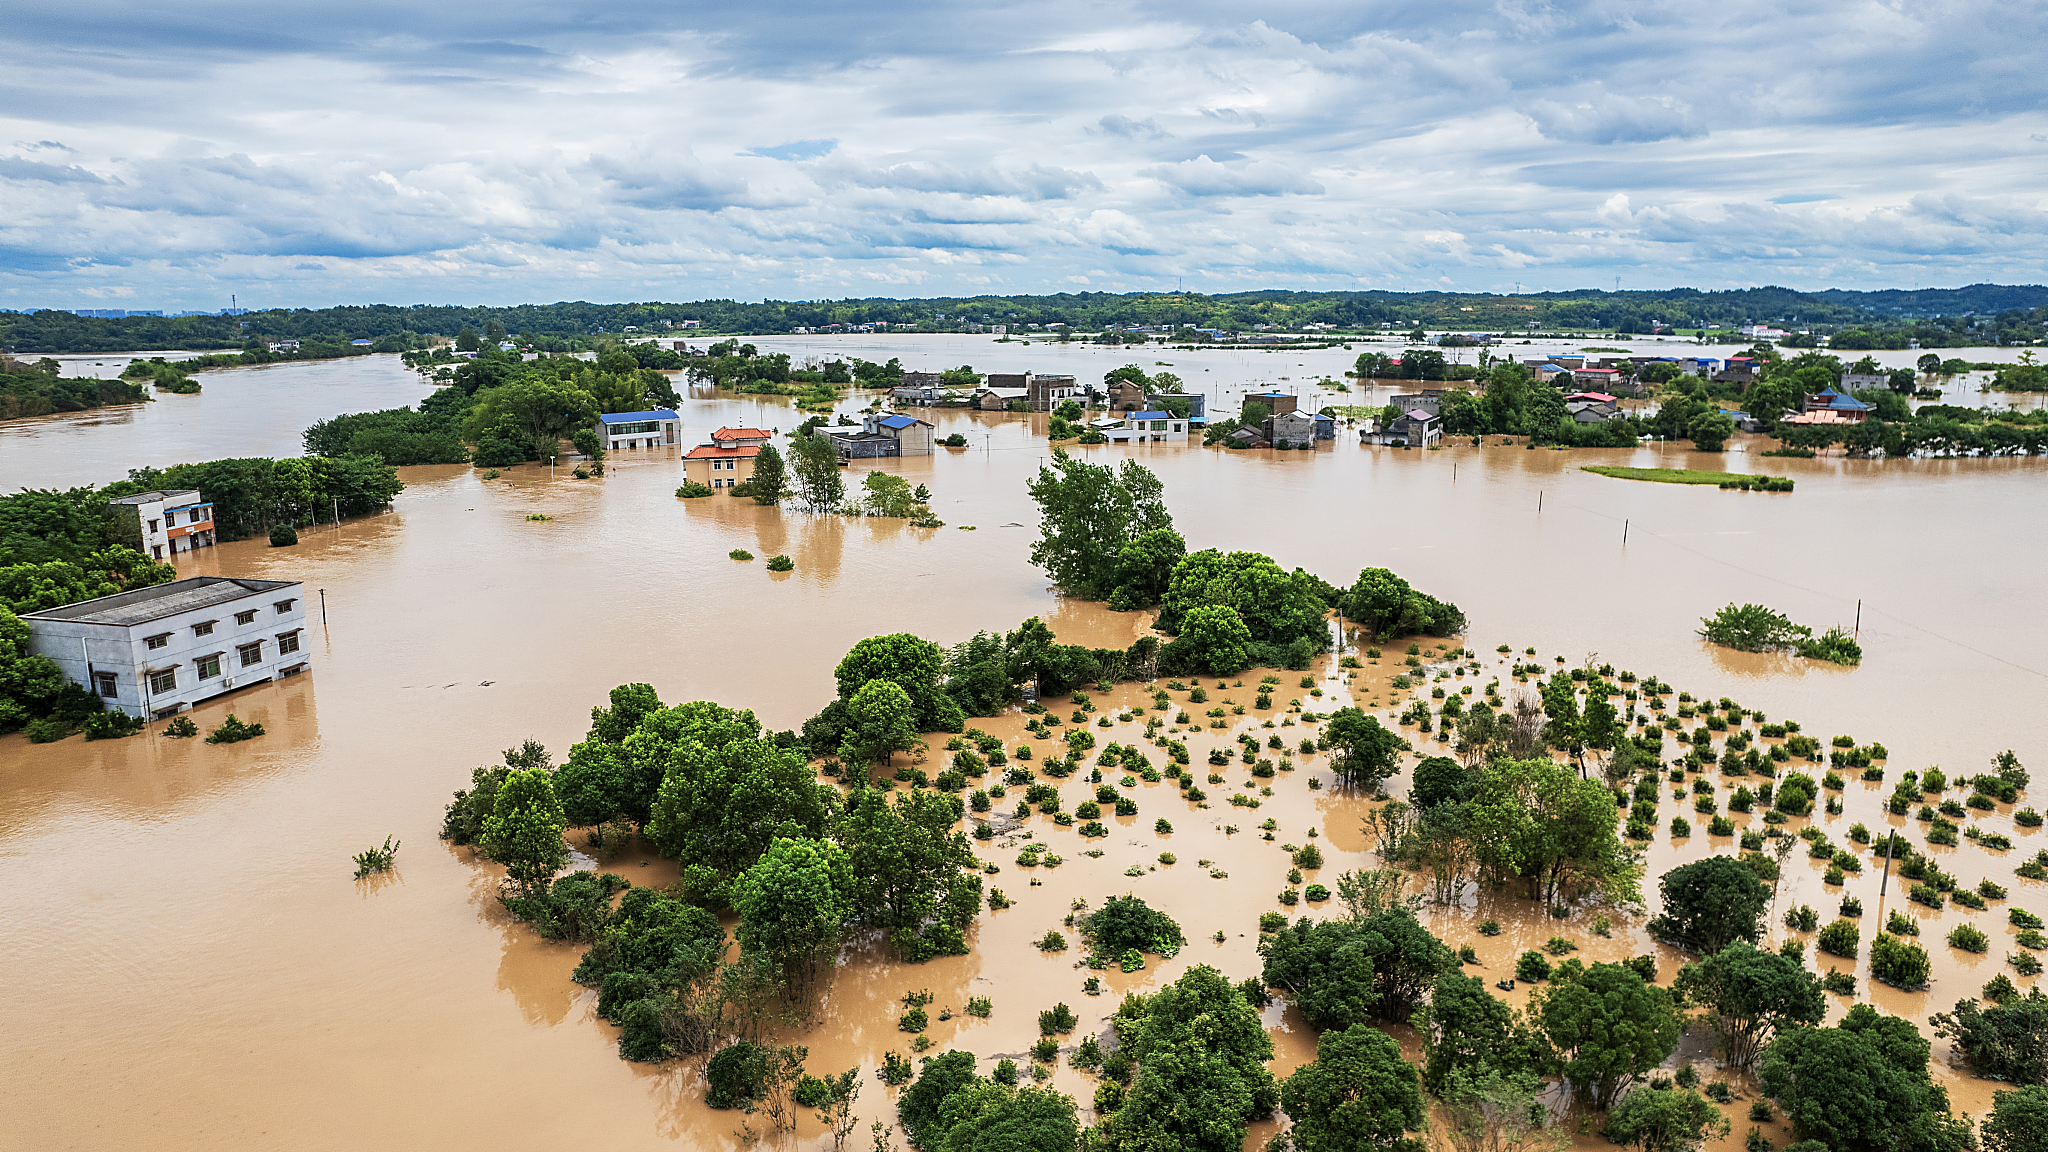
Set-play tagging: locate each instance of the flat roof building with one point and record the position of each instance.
(157, 650)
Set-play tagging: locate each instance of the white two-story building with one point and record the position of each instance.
(153, 651)
(160, 524)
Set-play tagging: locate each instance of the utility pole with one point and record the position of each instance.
(1539, 500)
(323, 608)
(1859, 621)
(1891, 849)
(1624, 533)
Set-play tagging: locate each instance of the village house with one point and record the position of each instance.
(1853, 382)
(1049, 392)
(1156, 426)
(726, 462)
(1125, 396)
(1591, 407)
(1416, 428)
(1001, 399)
(880, 434)
(160, 524)
(1290, 428)
(153, 651)
(653, 429)
(1847, 408)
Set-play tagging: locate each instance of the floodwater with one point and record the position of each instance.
(187, 952)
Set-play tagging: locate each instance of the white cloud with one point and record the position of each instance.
(747, 151)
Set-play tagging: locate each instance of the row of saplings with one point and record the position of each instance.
(1184, 1067)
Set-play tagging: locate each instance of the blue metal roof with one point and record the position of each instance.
(1162, 415)
(897, 421)
(637, 417)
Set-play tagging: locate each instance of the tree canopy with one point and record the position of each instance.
(1609, 1028)
(1709, 904)
(1861, 1086)
(1088, 513)
(1201, 1076)
(1753, 995)
(1359, 1093)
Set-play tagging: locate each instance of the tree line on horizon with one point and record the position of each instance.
(1985, 313)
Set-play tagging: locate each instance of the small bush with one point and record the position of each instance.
(1052, 942)
(1046, 1050)
(1489, 927)
(1558, 946)
(1058, 1018)
(914, 1020)
(1838, 981)
(1838, 939)
(740, 554)
(1531, 965)
(1316, 893)
(283, 536)
(1899, 924)
(780, 563)
(692, 490)
(1271, 922)
(232, 731)
(1969, 938)
(376, 859)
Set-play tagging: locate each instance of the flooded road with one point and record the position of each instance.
(187, 953)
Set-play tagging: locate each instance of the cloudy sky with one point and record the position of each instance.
(514, 152)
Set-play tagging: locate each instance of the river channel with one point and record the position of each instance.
(190, 966)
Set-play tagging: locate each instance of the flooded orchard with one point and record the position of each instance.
(190, 965)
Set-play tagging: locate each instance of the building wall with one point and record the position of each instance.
(916, 440)
(81, 649)
(1293, 427)
(730, 471)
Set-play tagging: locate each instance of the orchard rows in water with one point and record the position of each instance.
(1535, 796)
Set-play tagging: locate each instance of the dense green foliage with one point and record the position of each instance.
(1709, 904)
(1343, 972)
(1127, 923)
(1753, 995)
(1467, 1029)
(2018, 1121)
(1665, 1119)
(1200, 1054)
(1862, 1086)
(1357, 1094)
(2006, 1041)
(1384, 605)
(39, 391)
(1089, 514)
(950, 1109)
(1609, 1028)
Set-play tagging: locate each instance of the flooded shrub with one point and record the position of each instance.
(1899, 963)
(692, 490)
(1969, 938)
(2024, 963)
(233, 731)
(1967, 899)
(1489, 928)
(376, 859)
(283, 536)
(780, 563)
(1899, 924)
(1558, 946)
(1289, 897)
(1680, 827)
(1058, 1018)
(1837, 981)
(1316, 893)
(1838, 939)
(1760, 1111)
(1803, 918)
(1531, 965)
(1852, 906)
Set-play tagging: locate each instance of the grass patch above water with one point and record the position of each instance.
(1662, 475)
(1671, 475)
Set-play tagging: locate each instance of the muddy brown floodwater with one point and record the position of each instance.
(189, 966)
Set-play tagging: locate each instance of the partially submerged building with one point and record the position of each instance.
(153, 651)
(164, 523)
(658, 428)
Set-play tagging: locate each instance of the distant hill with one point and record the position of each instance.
(1996, 309)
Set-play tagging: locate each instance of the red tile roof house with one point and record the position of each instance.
(727, 460)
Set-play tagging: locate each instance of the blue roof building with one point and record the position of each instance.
(653, 429)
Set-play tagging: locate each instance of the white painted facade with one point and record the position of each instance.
(153, 651)
(163, 524)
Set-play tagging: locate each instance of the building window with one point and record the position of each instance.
(209, 667)
(152, 527)
(289, 642)
(203, 628)
(284, 606)
(158, 641)
(251, 654)
(248, 617)
(164, 681)
(158, 550)
(198, 517)
(105, 684)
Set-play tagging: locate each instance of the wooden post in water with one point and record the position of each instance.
(1539, 499)
(323, 607)
(1624, 533)
(1891, 849)
(1859, 621)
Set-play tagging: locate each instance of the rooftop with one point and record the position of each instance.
(714, 452)
(899, 421)
(637, 417)
(141, 605)
(740, 434)
(169, 497)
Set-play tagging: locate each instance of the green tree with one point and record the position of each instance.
(546, 410)
(1709, 904)
(921, 1105)
(2018, 1121)
(1467, 1028)
(1144, 568)
(725, 796)
(1087, 514)
(984, 1116)
(1367, 753)
(1439, 780)
(1565, 729)
(524, 831)
(1862, 1086)
(1201, 1075)
(1385, 606)
(30, 686)
(1344, 972)
(816, 467)
(1709, 431)
(2006, 1041)
(769, 484)
(1754, 995)
(794, 901)
(906, 858)
(912, 664)
(1213, 638)
(882, 721)
(601, 779)
(1486, 1110)
(1277, 606)
(1539, 821)
(1358, 1093)
(1665, 1120)
(1600, 728)
(1609, 1027)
